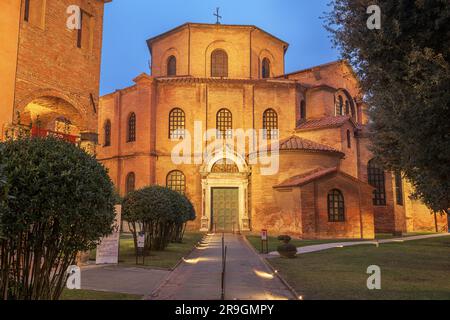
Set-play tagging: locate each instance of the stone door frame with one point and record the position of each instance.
(212, 180)
(220, 180)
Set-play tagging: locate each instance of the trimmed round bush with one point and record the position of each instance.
(60, 201)
(284, 238)
(159, 212)
(287, 250)
(185, 214)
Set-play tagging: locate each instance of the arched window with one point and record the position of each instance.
(219, 63)
(336, 206)
(265, 69)
(130, 183)
(176, 181)
(303, 110)
(177, 124)
(131, 132)
(107, 133)
(340, 106)
(376, 179)
(347, 107)
(224, 124)
(172, 66)
(270, 124)
(398, 188)
(349, 139)
(225, 166)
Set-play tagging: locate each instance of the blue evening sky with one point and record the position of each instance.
(129, 23)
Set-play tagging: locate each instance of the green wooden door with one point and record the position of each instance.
(225, 209)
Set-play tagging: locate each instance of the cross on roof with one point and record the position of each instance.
(217, 15)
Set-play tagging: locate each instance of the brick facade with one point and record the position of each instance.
(54, 78)
(326, 140)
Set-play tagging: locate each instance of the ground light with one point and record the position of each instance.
(196, 260)
(263, 274)
(191, 261)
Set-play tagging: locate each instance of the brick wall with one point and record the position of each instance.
(193, 44)
(9, 37)
(50, 63)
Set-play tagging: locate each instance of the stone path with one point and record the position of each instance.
(199, 277)
(326, 246)
(138, 281)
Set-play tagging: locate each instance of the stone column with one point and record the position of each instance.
(245, 218)
(204, 221)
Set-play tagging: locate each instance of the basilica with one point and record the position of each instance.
(225, 78)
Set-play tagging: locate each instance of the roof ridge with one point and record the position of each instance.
(322, 65)
(187, 24)
(307, 177)
(313, 171)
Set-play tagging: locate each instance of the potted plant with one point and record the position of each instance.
(286, 249)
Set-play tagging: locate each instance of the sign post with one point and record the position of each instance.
(264, 242)
(141, 247)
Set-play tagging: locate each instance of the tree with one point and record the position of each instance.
(60, 201)
(186, 213)
(3, 193)
(404, 69)
(159, 212)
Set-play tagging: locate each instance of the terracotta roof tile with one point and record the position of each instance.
(294, 143)
(297, 143)
(326, 122)
(305, 178)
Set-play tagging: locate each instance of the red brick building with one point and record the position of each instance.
(50, 72)
(231, 77)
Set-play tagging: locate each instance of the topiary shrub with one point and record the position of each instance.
(60, 201)
(186, 213)
(284, 238)
(158, 211)
(286, 249)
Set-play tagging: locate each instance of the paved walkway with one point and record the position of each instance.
(326, 246)
(138, 281)
(199, 277)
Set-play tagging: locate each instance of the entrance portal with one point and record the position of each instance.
(225, 192)
(225, 209)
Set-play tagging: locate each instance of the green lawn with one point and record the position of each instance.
(381, 236)
(409, 270)
(96, 295)
(166, 259)
(255, 240)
